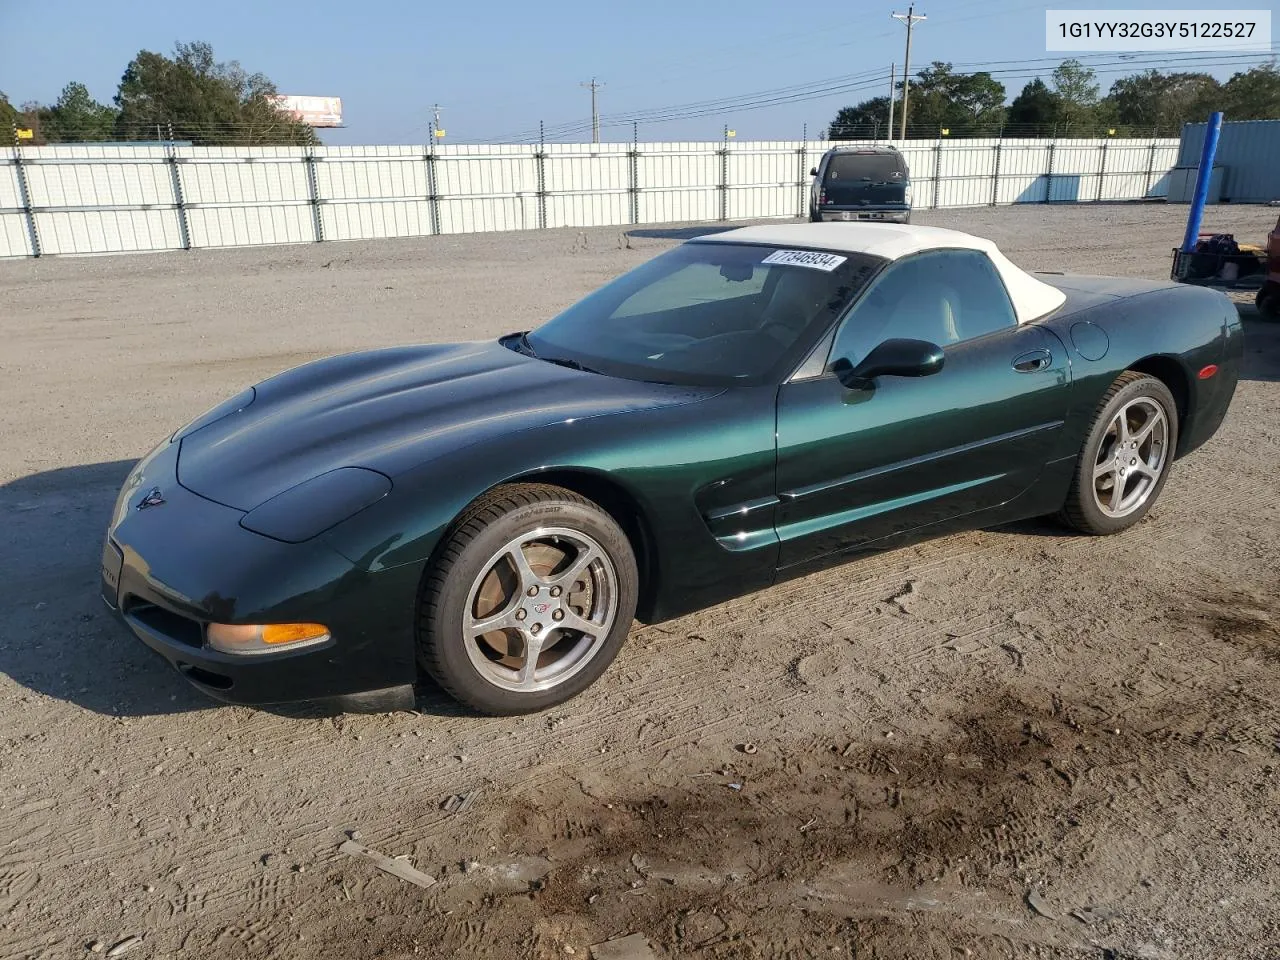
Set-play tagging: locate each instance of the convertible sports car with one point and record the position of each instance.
(743, 408)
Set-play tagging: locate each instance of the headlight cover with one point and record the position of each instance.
(224, 409)
(315, 505)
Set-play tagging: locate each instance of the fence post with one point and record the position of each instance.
(724, 178)
(995, 175)
(1048, 177)
(540, 165)
(1151, 168)
(937, 174)
(1102, 170)
(802, 162)
(433, 194)
(313, 187)
(184, 226)
(24, 188)
(633, 158)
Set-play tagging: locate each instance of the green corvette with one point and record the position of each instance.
(744, 408)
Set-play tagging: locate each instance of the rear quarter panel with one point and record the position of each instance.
(1171, 331)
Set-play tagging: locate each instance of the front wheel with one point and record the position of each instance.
(1125, 459)
(529, 602)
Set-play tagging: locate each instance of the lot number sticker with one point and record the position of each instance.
(806, 258)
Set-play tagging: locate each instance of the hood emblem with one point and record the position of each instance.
(152, 499)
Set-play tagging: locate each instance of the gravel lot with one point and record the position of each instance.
(1050, 746)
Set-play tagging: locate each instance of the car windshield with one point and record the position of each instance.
(707, 314)
(866, 166)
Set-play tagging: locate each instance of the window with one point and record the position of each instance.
(944, 297)
(696, 283)
(866, 166)
(709, 313)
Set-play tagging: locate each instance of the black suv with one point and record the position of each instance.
(861, 183)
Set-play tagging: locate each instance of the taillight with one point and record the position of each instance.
(822, 197)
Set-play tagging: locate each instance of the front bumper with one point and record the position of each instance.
(827, 214)
(170, 568)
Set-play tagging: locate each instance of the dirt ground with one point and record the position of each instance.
(1049, 746)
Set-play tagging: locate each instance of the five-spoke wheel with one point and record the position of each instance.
(1125, 458)
(529, 600)
(1131, 458)
(541, 609)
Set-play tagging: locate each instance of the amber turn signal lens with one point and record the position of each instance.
(251, 638)
(292, 632)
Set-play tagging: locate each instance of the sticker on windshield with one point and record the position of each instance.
(806, 258)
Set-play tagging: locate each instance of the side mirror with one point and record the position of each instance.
(893, 358)
(813, 172)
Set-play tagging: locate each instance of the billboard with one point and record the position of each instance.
(313, 111)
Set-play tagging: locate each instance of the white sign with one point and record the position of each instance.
(1222, 31)
(313, 111)
(806, 258)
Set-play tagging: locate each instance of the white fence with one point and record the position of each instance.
(110, 199)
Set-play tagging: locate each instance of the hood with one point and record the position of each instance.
(390, 410)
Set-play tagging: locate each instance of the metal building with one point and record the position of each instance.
(1248, 152)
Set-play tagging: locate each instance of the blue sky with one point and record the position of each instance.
(500, 66)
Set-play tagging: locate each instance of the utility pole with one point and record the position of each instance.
(909, 18)
(594, 85)
(436, 131)
(893, 82)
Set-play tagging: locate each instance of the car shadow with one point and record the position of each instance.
(1261, 346)
(60, 640)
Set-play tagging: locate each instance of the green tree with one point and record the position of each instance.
(205, 101)
(967, 104)
(76, 117)
(1034, 111)
(866, 121)
(1077, 92)
(1253, 94)
(8, 116)
(1162, 102)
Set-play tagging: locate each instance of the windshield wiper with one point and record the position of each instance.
(523, 345)
(571, 364)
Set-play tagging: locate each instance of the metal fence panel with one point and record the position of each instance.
(589, 210)
(376, 220)
(250, 226)
(107, 231)
(15, 239)
(1250, 151)
(99, 199)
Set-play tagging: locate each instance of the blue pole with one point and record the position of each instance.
(1211, 132)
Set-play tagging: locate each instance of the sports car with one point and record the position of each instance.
(746, 407)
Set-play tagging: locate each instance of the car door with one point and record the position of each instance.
(859, 463)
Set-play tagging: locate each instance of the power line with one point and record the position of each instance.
(853, 83)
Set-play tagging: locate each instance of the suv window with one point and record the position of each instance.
(945, 297)
(869, 166)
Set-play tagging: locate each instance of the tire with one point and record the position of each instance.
(475, 580)
(1140, 396)
(1268, 301)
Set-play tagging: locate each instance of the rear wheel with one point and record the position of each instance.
(530, 601)
(1125, 459)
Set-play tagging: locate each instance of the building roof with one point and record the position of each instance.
(1031, 298)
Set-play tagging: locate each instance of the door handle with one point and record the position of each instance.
(1033, 361)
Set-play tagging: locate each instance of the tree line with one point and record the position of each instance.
(189, 96)
(1070, 104)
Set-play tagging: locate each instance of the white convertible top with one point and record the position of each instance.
(1031, 298)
